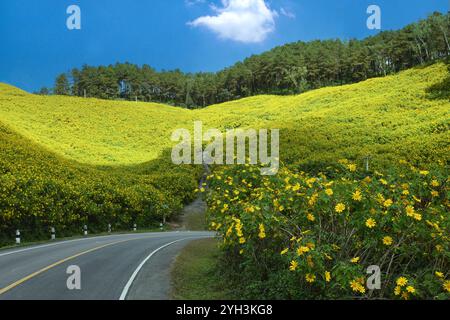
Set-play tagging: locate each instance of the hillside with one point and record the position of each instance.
(386, 118)
(69, 161)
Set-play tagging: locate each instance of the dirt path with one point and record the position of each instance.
(193, 216)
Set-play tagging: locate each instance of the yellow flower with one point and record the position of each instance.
(402, 281)
(327, 276)
(355, 260)
(239, 230)
(312, 201)
(311, 217)
(398, 290)
(357, 196)
(405, 192)
(435, 183)
(424, 172)
(371, 223)
(310, 261)
(262, 231)
(357, 286)
(387, 241)
(434, 193)
(242, 240)
(383, 182)
(439, 274)
(284, 251)
(302, 250)
(446, 285)
(311, 245)
(310, 278)
(329, 192)
(410, 211)
(340, 207)
(250, 209)
(388, 203)
(418, 217)
(352, 167)
(293, 266)
(411, 289)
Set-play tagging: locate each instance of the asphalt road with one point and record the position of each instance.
(131, 266)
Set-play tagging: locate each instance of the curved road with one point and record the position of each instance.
(130, 266)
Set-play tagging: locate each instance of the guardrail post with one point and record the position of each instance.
(134, 227)
(53, 231)
(85, 230)
(109, 227)
(17, 236)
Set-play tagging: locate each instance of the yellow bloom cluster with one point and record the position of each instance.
(318, 225)
(357, 285)
(41, 190)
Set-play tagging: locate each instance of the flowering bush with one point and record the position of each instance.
(300, 236)
(39, 190)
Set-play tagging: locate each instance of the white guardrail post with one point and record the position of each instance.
(85, 230)
(17, 236)
(53, 232)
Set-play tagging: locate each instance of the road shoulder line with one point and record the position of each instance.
(127, 287)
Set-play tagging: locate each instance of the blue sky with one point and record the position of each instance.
(192, 35)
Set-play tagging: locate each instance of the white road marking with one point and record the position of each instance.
(125, 290)
(75, 240)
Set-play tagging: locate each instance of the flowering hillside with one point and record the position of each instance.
(382, 117)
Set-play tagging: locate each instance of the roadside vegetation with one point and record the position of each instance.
(195, 274)
(40, 190)
(302, 236)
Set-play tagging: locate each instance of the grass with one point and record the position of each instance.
(195, 274)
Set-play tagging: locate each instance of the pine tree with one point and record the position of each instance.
(62, 86)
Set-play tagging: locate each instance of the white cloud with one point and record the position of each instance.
(193, 2)
(248, 21)
(287, 13)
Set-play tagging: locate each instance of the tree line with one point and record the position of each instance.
(289, 69)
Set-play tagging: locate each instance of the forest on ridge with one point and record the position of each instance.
(289, 69)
